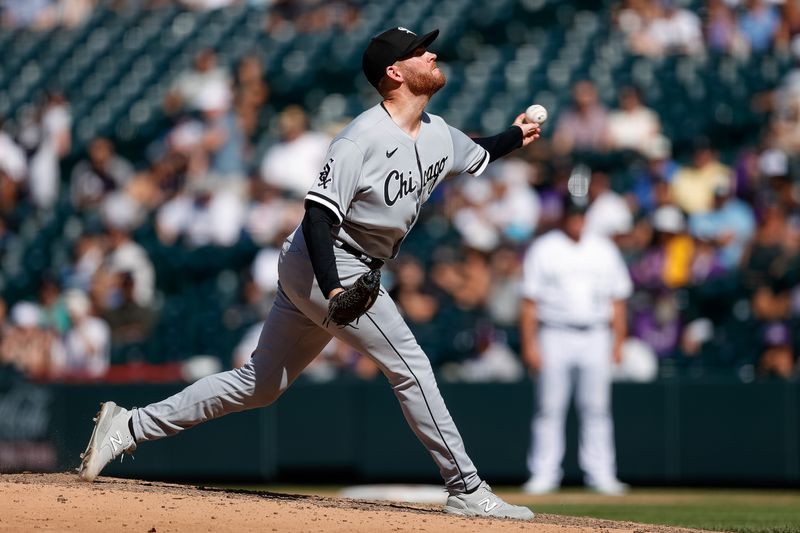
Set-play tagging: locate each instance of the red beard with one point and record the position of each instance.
(425, 83)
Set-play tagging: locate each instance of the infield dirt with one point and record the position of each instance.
(61, 502)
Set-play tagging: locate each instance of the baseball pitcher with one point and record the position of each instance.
(377, 174)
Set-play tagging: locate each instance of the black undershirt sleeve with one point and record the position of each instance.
(502, 143)
(317, 224)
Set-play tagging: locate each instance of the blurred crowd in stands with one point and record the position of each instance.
(712, 239)
(306, 16)
(660, 27)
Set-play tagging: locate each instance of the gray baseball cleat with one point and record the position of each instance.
(484, 502)
(110, 439)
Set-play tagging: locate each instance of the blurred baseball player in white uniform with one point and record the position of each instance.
(377, 174)
(572, 326)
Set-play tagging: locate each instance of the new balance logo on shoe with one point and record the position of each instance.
(488, 505)
(116, 441)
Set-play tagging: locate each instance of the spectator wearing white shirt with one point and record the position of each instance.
(192, 86)
(503, 207)
(55, 144)
(515, 208)
(202, 216)
(670, 30)
(12, 158)
(121, 215)
(471, 218)
(86, 348)
(633, 126)
(13, 171)
(293, 164)
(270, 217)
(207, 5)
(608, 214)
(573, 323)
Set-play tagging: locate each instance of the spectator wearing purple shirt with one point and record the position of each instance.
(655, 311)
(721, 30)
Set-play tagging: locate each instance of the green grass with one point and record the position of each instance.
(738, 511)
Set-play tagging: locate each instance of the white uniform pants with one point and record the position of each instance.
(582, 358)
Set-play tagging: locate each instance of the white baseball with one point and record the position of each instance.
(536, 113)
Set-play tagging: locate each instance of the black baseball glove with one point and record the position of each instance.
(351, 303)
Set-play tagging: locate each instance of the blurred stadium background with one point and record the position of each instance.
(154, 154)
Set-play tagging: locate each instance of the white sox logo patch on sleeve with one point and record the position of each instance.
(324, 178)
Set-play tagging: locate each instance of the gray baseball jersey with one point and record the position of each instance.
(376, 177)
(375, 180)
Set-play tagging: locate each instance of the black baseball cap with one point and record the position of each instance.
(386, 48)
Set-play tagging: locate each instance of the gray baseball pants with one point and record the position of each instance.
(292, 337)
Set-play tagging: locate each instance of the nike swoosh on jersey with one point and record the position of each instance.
(390, 154)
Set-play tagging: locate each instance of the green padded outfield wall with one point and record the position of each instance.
(669, 432)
